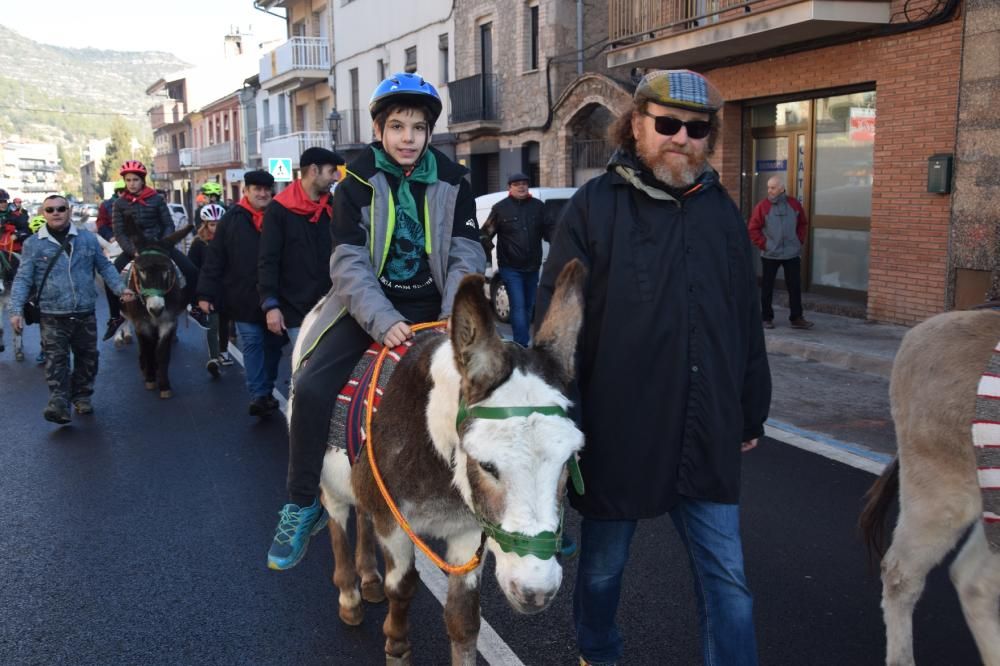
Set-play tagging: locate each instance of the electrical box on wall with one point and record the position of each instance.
(939, 173)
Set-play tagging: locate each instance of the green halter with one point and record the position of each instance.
(544, 544)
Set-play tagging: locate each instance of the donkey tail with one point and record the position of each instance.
(878, 499)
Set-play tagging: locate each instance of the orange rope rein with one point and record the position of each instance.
(397, 514)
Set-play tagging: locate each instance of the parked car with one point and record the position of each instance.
(553, 198)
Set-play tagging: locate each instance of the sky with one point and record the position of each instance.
(193, 30)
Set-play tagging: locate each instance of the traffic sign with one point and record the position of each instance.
(280, 168)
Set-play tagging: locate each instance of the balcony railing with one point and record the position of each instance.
(474, 98)
(271, 131)
(167, 112)
(166, 163)
(305, 56)
(292, 145)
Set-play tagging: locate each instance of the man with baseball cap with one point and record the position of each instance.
(520, 223)
(672, 372)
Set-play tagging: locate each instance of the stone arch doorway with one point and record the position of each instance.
(578, 150)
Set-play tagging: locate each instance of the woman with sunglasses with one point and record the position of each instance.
(671, 308)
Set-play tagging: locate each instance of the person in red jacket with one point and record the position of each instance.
(778, 227)
(105, 227)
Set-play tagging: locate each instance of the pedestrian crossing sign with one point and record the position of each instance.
(280, 168)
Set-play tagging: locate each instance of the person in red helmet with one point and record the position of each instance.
(148, 209)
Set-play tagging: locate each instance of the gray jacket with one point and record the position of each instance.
(354, 269)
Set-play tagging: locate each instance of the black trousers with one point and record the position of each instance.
(315, 387)
(188, 270)
(793, 282)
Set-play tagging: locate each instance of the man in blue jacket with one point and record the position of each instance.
(66, 302)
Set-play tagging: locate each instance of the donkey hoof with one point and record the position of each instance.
(373, 592)
(18, 356)
(150, 386)
(352, 616)
(403, 660)
(166, 395)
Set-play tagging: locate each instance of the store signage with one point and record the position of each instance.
(772, 165)
(862, 124)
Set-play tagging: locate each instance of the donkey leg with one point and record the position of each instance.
(976, 575)
(401, 580)
(163, 346)
(461, 611)
(371, 580)
(334, 479)
(147, 364)
(928, 527)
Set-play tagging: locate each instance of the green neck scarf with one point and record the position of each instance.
(426, 171)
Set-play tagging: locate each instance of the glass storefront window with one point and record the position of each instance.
(780, 115)
(844, 155)
(840, 258)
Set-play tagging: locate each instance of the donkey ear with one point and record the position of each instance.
(171, 240)
(479, 351)
(559, 332)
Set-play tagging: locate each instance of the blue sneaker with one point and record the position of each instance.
(292, 536)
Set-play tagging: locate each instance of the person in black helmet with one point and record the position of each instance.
(412, 283)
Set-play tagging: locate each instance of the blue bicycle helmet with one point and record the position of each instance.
(405, 88)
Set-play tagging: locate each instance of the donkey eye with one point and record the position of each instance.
(490, 469)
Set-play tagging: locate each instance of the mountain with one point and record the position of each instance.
(67, 95)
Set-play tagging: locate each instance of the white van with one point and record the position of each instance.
(554, 198)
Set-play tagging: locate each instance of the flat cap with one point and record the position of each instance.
(258, 177)
(680, 88)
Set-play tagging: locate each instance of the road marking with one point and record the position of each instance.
(848, 454)
(493, 648)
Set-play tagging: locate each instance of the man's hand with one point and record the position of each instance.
(275, 321)
(127, 295)
(205, 306)
(746, 446)
(17, 323)
(397, 335)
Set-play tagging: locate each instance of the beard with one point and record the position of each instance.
(668, 169)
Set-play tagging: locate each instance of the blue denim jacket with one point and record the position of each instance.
(70, 288)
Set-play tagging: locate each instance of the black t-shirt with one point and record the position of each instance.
(407, 275)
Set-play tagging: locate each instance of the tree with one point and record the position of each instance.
(119, 150)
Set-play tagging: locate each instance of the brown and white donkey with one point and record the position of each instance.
(500, 468)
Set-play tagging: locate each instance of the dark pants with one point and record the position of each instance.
(188, 270)
(61, 335)
(315, 387)
(793, 282)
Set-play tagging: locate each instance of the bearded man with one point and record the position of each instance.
(672, 371)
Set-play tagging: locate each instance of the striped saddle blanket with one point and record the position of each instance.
(347, 424)
(986, 439)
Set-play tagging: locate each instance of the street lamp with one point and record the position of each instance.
(333, 122)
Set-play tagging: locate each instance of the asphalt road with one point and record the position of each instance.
(138, 536)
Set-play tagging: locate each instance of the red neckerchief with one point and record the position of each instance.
(256, 215)
(294, 198)
(140, 198)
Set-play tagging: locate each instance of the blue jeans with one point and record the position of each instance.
(711, 534)
(261, 354)
(521, 286)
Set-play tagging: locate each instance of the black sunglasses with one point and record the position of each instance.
(57, 209)
(668, 126)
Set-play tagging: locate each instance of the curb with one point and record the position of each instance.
(841, 358)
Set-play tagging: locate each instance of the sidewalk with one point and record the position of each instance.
(831, 383)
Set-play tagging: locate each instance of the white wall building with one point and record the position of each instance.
(375, 38)
(28, 170)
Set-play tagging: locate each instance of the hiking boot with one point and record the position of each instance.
(213, 368)
(113, 324)
(802, 324)
(768, 323)
(271, 400)
(262, 406)
(199, 317)
(225, 359)
(57, 412)
(83, 406)
(291, 538)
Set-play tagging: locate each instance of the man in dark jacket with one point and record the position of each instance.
(149, 213)
(519, 221)
(105, 225)
(295, 244)
(228, 283)
(673, 373)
